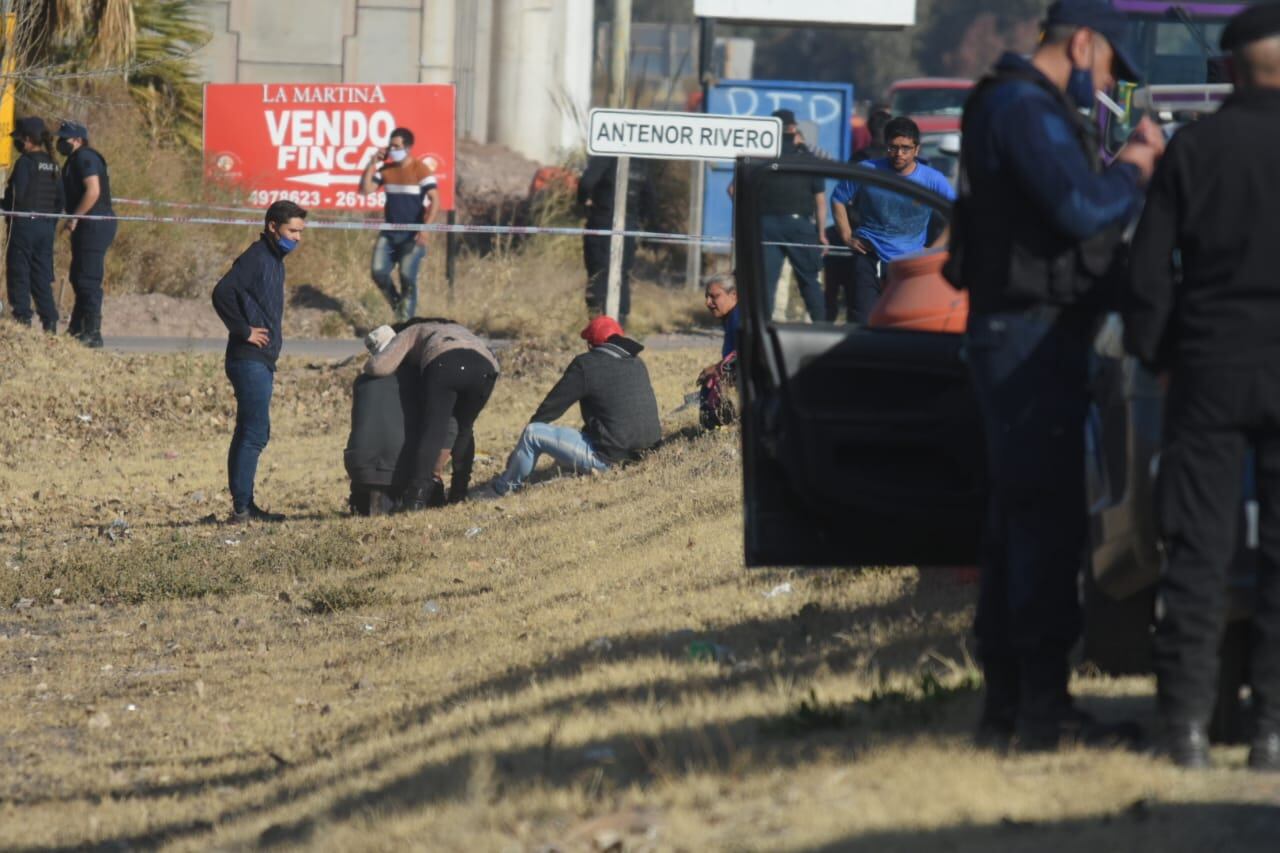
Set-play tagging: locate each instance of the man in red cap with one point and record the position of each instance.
(611, 385)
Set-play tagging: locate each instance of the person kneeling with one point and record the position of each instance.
(619, 411)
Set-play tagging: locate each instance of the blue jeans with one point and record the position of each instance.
(567, 446)
(392, 249)
(252, 381)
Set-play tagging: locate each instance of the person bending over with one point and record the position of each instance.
(619, 411)
(458, 374)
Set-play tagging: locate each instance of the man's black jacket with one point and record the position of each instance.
(619, 409)
(250, 295)
(1205, 275)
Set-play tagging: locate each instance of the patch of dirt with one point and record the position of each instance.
(158, 315)
(489, 174)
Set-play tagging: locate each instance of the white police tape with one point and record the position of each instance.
(378, 225)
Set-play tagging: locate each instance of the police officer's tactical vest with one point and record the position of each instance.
(1041, 266)
(41, 192)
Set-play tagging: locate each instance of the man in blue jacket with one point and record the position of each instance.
(250, 301)
(1037, 243)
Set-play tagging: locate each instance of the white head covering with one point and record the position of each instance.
(377, 340)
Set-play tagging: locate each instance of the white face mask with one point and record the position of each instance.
(397, 155)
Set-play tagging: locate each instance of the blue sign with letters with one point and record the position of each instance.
(824, 112)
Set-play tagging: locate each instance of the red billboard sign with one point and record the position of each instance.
(309, 142)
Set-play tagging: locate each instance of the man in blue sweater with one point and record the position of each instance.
(250, 301)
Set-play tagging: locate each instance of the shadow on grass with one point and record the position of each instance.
(792, 647)
(1139, 825)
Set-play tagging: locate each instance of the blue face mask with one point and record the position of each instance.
(286, 245)
(1080, 88)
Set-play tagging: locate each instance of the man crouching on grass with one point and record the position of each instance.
(611, 386)
(250, 301)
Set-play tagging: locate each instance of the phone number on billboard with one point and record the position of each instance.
(342, 199)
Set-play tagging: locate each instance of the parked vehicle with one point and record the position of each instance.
(934, 103)
(864, 446)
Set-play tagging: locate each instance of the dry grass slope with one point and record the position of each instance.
(583, 664)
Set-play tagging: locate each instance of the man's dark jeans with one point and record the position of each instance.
(1211, 417)
(1030, 372)
(595, 257)
(867, 287)
(252, 381)
(807, 263)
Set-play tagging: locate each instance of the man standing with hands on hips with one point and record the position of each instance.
(412, 199)
(1038, 244)
(1212, 323)
(88, 193)
(250, 301)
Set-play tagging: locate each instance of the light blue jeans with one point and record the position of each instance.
(567, 446)
(398, 248)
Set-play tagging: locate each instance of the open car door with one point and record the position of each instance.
(861, 446)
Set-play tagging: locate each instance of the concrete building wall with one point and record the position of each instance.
(522, 67)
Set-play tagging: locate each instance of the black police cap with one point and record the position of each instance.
(1253, 24)
(1103, 18)
(787, 116)
(32, 127)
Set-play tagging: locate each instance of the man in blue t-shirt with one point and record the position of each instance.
(880, 225)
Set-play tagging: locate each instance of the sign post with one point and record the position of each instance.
(670, 136)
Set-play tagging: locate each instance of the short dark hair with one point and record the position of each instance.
(902, 126)
(404, 133)
(280, 212)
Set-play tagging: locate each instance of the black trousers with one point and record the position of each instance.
(867, 285)
(1212, 416)
(29, 270)
(457, 384)
(1030, 373)
(89, 244)
(595, 256)
(791, 237)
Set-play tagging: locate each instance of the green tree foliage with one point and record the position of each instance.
(66, 50)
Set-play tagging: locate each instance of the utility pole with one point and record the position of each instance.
(697, 187)
(618, 100)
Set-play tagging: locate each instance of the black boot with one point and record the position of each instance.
(418, 498)
(75, 326)
(1185, 743)
(997, 725)
(1264, 755)
(91, 333)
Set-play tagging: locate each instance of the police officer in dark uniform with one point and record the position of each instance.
(1037, 244)
(34, 186)
(88, 191)
(793, 216)
(596, 194)
(1212, 322)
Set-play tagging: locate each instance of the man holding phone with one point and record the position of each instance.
(412, 198)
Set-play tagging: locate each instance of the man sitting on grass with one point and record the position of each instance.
(619, 411)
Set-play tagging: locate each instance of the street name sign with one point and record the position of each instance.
(865, 13)
(682, 136)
